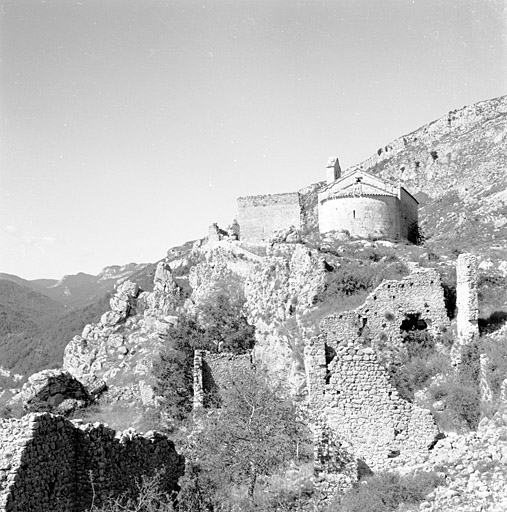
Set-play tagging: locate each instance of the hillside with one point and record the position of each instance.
(34, 328)
(456, 166)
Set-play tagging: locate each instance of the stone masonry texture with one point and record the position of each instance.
(467, 299)
(417, 297)
(349, 391)
(355, 400)
(260, 216)
(48, 463)
(213, 372)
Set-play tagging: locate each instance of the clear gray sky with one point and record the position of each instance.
(128, 127)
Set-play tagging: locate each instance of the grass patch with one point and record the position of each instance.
(385, 492)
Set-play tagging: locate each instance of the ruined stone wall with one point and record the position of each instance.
(213, 372)
(351, 395)
(467, 300)
(379, 319)
(361, 216)
(48, 463)
(260, 216)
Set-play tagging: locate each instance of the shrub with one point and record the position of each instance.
(221, 328)
(385, 492)
(420, 363)
(150, 498)
(462, 401)
(461, 392)
(357, 277)
(255, 433)
(496, 351)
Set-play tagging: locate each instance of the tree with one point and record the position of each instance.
(219, 326)
(255, 432)
(225, 326)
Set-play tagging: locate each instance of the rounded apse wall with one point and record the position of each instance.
(364, 216)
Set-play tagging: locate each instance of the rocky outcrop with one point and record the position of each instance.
(120, 349)
(474, 467)
(280, 292)
(436, 157)
(165, 298)
(223, 268)
(288, 235)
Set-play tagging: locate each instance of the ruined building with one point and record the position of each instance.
(51, 464)
(355, 201)
(350, 392)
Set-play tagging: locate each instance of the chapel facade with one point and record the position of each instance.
(360, 203)
(365, 205)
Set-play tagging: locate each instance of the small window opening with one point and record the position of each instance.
(354, 213)
(413, 322)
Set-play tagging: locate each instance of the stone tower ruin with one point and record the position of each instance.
(468, 304)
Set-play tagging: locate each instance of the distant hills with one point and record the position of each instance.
(79, 289)
(39, 317)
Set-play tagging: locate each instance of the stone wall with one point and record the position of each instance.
(260, 216)
(467, 302)
(409, 212)
(362, 216)
(48, 463)
(351, 395)
(213, 372)
(417, 297)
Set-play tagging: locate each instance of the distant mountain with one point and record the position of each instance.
(22, 307)
(39, 317)
(80, 289)
(34, 328)
(23, 312)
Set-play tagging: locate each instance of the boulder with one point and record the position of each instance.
(94, 385)
(48, 389)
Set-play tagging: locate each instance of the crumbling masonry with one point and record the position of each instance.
(394, 307)
(467, 302)
(213, 372)
(357, 402)
(353, 402)
(48, 463)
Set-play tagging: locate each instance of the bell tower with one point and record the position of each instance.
(333, 169)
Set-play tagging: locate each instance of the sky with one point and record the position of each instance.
(128, 127)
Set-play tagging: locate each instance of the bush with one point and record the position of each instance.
(462, 401)
(385, 492)
(255, 433)
(420, 363)
(496, 351)
(150, 498)
(221, 328)
(357, 277)
(415, 234)
(461, 392)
